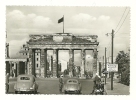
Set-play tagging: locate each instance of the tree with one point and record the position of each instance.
(123, 61)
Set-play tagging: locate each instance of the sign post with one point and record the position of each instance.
(112, 68)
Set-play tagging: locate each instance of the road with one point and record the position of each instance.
(51, 86)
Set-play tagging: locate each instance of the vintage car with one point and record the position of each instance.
(72, 86)
(26, 84)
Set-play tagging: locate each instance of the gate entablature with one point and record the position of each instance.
(63, 38)
(63, 41)
(63, 47)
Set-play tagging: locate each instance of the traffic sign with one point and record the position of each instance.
(112, 67)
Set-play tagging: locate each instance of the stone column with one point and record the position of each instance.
(100, 68)
(14, 69)
(30, 61)
(28, 70)
(33, 62)
(25, 67)
(18, 68)
(55, 63)
(83, 63)
(71, 62)
(94, 62)
(7, 67)
(43, 62)
(52, 65)
(10, 74)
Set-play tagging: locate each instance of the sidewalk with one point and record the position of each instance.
(118, 88)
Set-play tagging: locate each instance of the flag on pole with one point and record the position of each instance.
(61, 20)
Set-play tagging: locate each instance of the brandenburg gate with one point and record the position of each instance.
(60, 41)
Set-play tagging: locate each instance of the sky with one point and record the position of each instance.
(21, 21)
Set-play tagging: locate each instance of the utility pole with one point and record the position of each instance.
(112, 73)
(112, 37)
(63, 23)
(105, 65)
(103, 61)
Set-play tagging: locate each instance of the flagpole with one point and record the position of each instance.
(63, 23)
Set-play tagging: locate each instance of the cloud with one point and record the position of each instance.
(83, 17)
(81, 20)
(18, 20)
(16, 15)
(103, 17)
(15, 19)
(41, 22)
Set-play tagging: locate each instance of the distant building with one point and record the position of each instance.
(15, 66)
(39, 72)
(7, 50)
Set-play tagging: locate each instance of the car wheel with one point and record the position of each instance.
(65, 92)
(16, 92)
(7, 88)
(79, 92)
(35, 92)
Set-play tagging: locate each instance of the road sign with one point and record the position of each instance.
(112, 67)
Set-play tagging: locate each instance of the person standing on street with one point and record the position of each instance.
(96, 80)
(7, 83)
(61, 83)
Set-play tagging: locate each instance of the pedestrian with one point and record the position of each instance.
(7, 83)
(61, 83)
(96, 80)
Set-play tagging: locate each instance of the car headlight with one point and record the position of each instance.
(32, 87)
(97, 90)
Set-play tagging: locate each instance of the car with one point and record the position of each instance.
(72, 86)
(26, 84)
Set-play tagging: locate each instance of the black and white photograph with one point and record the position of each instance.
(67, 50)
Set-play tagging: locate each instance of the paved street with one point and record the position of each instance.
(118, 88)
(51, 86)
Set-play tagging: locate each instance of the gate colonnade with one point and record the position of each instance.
(43, 43)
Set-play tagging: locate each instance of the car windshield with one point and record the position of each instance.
(24, 78)
(72, 81)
